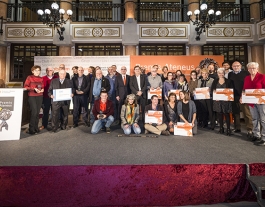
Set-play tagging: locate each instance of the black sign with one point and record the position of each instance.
(7, 103)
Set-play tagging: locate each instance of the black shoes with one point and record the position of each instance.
(87, 123)
(228, 132)
(165, 132)
(260, 143)
(250, 135)
(221, 131)
(75, 125)
(31, 132)
(255, 139)
(237, 130)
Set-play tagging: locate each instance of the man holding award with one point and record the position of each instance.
(61, 93)
(103, 112)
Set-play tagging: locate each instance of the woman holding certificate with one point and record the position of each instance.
(187, 110)
(35, 87)
(223, 108)
(130, 115)
(170, 108)
(169, 84)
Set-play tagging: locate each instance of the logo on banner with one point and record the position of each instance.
(6, 106)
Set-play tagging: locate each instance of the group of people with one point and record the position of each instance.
(118, 97)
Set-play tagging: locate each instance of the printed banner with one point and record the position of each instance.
(253, 96)
(85, 61)
(202, 93)
(183, 129)
(176, 92)
(223, 94)
(154, 117)
(11, 100)
(157, 92)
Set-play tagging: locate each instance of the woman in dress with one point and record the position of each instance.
(35, 87)
(182, 83)
(223, 108)
(193, 82)
(130, 115)
(187, 110)
(169, 84)
(170, 108)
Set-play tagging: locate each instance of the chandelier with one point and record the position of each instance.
(203, 19)
(54, 18)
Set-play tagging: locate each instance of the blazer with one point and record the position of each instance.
(208, 83)
(122, 90)
(109, 109)
(85, 86)
(228, 83)
(123, 114)
(104, 84)
(55, 84)
(134, 85)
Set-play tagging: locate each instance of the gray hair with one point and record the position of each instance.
(221, 70)
(255, 64)
(131, 96)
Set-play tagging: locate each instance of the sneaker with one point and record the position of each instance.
(255, 139)
(165, 132)
(108, 130)
(261, 143)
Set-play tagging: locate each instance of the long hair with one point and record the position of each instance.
(126, 102)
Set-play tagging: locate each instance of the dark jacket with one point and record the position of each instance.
(85, 86)
(134, 85)
(67, 75)
(55, 84)
(104, 85)
(109, 109)
(122, 90)
(228, 83)
(175, 109)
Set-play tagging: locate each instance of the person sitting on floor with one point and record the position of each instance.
(103, 113)
(130, 115)
(160, 127)
(171, 114)
(187, 111)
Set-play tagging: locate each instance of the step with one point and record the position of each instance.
(261, 202)
(258, 181)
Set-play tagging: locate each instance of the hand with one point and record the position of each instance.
(159, 122)
(36, 90)
(139, 93)
(118, 98)
(158, 88)
(152, 88)
(192, 124)
(126, 126)
(41, 91)
(150, 123)
(52, 96)
(72, 95)
(170, 123)
(136, 125)
(104, 116)
(240, 100)
(186, 122)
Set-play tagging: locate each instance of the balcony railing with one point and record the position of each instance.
(98, 12)
(262, 9)
(161, 12)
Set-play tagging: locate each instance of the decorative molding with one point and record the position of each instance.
(261, 29)
(28, 32)
(163, 31)
(231, 32)
(113, 32)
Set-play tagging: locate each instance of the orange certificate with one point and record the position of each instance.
(183, 129)
(223, 94)
(202, 93)
(176, 92)
(155, 92)
(253, 96)
(154, 117)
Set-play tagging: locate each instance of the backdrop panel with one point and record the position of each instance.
(184, 63)
(128, 185)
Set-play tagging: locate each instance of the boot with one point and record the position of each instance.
(228, 132)
(221, 130)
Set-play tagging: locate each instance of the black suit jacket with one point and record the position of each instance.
(55, 84)
(134, 85)
(67, 75)
(122, 90)
(104, 84)
(85, 86)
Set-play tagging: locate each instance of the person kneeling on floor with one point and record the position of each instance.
(160, 127)
(103, 113)
(130, 115)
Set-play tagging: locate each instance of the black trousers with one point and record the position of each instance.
(207, 112)
(142, 102)
(34, 105)
(59, 108)
(80, 101)
(46, 108)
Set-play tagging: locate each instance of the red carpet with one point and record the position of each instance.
(134, 185)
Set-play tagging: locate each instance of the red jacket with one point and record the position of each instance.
(32, 82)
(109, 108)
(46, 83)
(257, 83)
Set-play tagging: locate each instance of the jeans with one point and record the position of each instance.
(258, 118)
(46, 109)
(128, 130)
(98, 124)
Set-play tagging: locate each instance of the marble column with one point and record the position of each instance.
(254, 9)
(195, 50)
(130, 50)
(257, 55)
(3, 48)
(65, 51)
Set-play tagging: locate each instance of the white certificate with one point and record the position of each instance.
(223, 94)
(62, 94)
(202, 93)
(183, 129)
(176, 92)
(254, 96)
(157, 92)
(154, 117)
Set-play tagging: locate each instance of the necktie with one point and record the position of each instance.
(61, 81)
(124, 80)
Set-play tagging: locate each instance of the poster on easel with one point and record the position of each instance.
(11, 101)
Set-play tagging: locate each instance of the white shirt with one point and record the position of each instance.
(138, 82)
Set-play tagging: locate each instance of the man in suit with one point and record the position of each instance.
(81, 87)
(138, 85)
(98, 84)
(122, 88)
(60, 83)
(62, 67)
